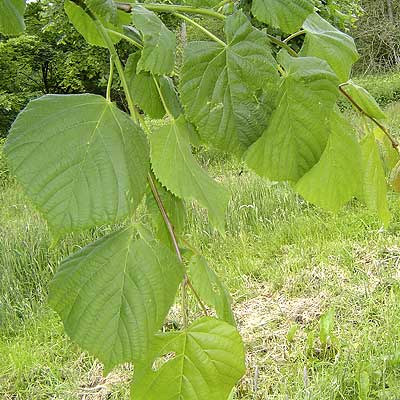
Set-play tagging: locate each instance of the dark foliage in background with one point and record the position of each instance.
(378, 36)
(51, 57)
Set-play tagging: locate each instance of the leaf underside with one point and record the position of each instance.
(374, 181)
(328, 43)
(87, 28)
(210, 288)
(336, 178)
(364, 100)
(143, 89)
(158, 54)
(297, 134)
(106, 9)
(177, 169)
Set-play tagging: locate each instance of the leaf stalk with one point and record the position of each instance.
(202, 28)
(294, 35)
(122, 36)
(284, 45)
(110, 79)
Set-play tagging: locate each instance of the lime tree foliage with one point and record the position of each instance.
(84, 162)
(50, 57)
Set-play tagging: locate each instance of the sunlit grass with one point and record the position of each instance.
(286, 263)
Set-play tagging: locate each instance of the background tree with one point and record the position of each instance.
(50, 57)
(378, 36)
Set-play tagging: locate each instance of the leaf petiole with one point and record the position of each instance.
(294, 35)
(284, 45)
(206, 31)
(162, 97)
(129, 39)
(110, 79)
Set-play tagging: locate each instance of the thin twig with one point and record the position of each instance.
(137, 117)
(174, 240)
(393, 141)
(164, 215)
(203, 307)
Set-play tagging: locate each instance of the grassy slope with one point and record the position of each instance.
(286, 263)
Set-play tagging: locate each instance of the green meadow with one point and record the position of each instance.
(316, 295)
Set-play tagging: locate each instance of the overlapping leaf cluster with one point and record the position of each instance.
(84, 162)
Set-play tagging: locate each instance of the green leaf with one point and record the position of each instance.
(287, 15)
(364, 100)
(174, 106)
(210, 288)
(297, 134)
(170, 96)
(222, 87)
(175, 209)
(86, 26)
(81, 160)
(293, 329)
(364, 385)
(335, 47)
(389, 154)
(114, 295)
(177, 169)
(158, 54)
(12, 16)
(143, 88)
(374, 181)
(202, 3)
(336, 178)
(326, 324)
(105, 9)
(395, 178)
(206, 361)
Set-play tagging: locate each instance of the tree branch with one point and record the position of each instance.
(171, 8)
(393, 141)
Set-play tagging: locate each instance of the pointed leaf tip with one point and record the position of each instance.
(176, 168)
(210, 288)
(298, 132)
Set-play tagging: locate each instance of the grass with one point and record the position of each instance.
(317, 297)
(384, 87)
